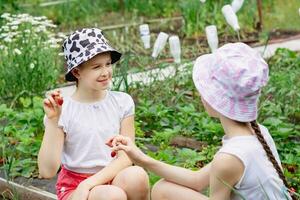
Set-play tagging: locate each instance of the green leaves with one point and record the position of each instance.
(20, 135)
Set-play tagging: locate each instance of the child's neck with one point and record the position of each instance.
(233, 128)
(88, 96)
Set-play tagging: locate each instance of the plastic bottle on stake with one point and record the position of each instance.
(212, 37)
(231, 17)
(159, 44)
(145, 35)
(236, 5)
(175, 48)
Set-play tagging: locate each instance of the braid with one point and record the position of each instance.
(270, 155)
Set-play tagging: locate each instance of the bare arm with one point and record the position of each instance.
(49, 156)
(226, 171)
(197, 180)
(122, 161)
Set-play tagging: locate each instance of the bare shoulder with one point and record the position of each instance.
(227, 167)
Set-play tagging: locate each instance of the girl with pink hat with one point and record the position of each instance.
(247, 166)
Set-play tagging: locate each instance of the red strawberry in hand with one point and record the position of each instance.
(113, 154)
(292, 190)
(60, 101)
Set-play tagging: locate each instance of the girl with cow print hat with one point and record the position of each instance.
(78, 128)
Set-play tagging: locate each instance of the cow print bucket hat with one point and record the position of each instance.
(83, 45)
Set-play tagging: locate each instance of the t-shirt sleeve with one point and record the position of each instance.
(61, 123)
(128, 106)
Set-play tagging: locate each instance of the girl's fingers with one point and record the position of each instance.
(47, 102)
(119, 140)
(57, 98)
(52, 102)
(115, 141)
(109, 142)
(121, 147)
(56, 92)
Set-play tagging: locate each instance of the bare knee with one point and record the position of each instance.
(107, 193)
(134, 179)
(159, 190)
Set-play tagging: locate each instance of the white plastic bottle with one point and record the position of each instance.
(231, 17)
(159, 44)
(236, 5)
(212, 37)
(175, 48)
(145, 35)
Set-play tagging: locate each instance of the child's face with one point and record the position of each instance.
(95, 73)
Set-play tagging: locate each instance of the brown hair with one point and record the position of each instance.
(269, 153)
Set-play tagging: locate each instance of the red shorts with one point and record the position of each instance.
(67, 182)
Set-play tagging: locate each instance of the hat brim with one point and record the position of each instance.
(243, 110)
(115, 57)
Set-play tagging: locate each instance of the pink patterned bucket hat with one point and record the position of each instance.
(230, 80)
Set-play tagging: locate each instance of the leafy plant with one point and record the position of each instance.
(20, 135)
(29, 59)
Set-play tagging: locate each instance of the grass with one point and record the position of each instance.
(280, 14)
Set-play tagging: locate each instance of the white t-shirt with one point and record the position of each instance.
(260, 178)
(88, 126)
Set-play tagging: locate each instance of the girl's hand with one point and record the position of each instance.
(52, 105)
(120, 142)
(81, 193)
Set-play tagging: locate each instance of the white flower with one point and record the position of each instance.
(49, 23)
(40, 29)
(31, 66)
(17, 51)
(62, 35)
(61, 54)
(23, 15)
(5, 15)
(3, 35)
(33, 22)
(54, 46)
(14, 23)
(5, 28)
(14, 27)
(2, 47)
(7, 39)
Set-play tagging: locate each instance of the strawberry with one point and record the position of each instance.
(60, 101)
(113, 154)
(292, 190)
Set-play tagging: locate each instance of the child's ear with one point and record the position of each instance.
(75, 73)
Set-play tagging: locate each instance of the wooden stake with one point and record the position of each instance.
(259, 25)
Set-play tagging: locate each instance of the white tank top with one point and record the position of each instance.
(260, 180)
